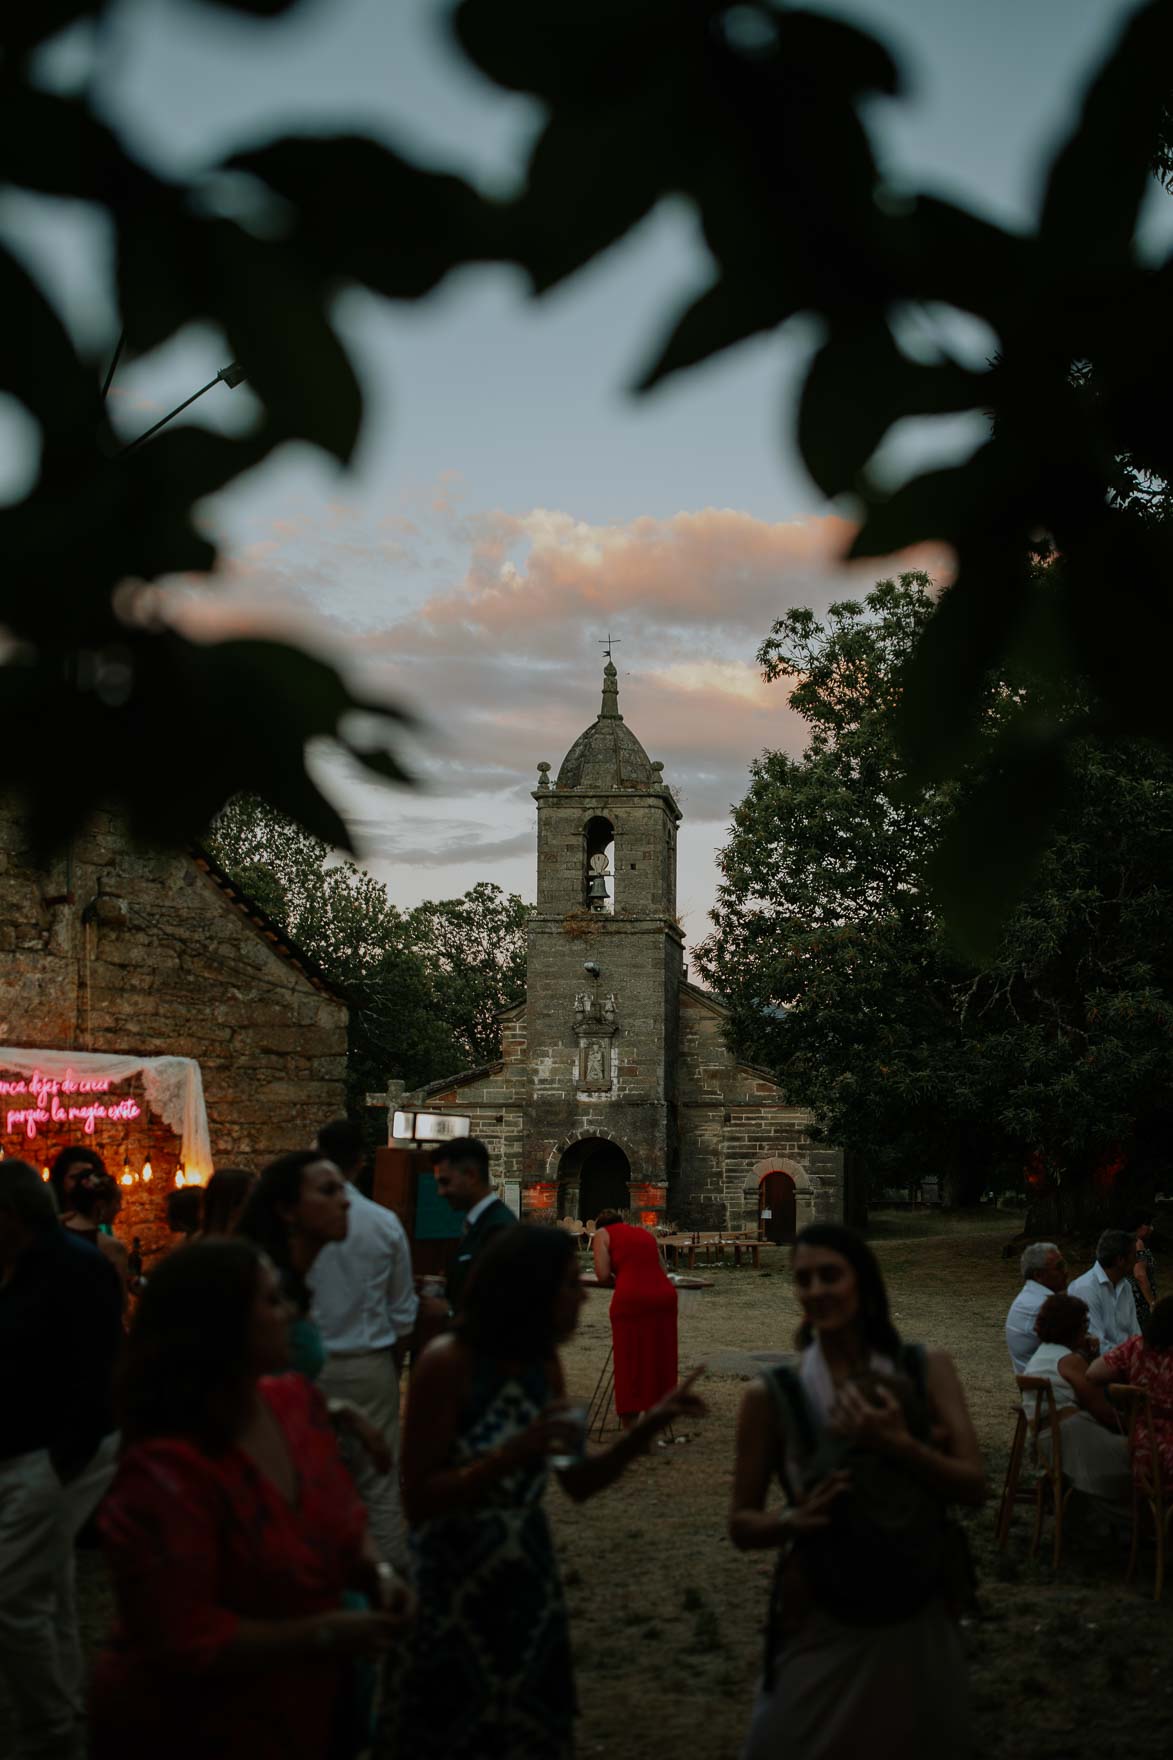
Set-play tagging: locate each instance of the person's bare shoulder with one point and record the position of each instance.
(443, 1359)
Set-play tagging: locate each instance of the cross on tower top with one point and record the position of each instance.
(609, 643)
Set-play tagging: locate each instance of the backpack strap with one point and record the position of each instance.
(914, 1363)
(793, 1414)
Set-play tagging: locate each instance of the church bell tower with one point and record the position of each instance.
(604, 974)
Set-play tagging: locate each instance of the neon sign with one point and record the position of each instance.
(63, 1100)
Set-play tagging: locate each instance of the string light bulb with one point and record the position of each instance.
(127, 1176)
(179, 1176)
(148, 1175)
(45, 1175)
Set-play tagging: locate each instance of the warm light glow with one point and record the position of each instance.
(179, 1176)
(147, 1175)
(44, 1173)
(128, 1179)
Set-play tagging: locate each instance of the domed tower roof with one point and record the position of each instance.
(607, 755)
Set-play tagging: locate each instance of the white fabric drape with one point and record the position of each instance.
(173, 1087)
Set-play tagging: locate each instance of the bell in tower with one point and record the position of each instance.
(597, 895)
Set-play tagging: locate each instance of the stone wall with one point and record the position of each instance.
(492, 1098)
(734, 1123)
(117, 947)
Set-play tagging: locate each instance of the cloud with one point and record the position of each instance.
(439, 843)
(488, 625)
(715, 575)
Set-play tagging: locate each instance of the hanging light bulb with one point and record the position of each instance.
(128, 1178)
(147, 1175)
(179, 1176)
(45, 1174)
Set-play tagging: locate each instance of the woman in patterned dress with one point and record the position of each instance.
(490, 1675)
(1147, 1361)
(1144, 1273)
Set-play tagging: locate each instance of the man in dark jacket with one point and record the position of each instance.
(60, 1332)
(461, 1170)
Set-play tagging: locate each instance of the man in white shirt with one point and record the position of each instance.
(1107, 1290)
(1043, 1274)
(364, 1303)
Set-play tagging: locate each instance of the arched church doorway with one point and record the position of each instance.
(777, 1206)
(593, 1175)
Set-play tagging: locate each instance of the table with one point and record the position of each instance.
(713, 1247)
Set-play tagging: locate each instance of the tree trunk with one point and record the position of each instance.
(855, 1189)
(1080, 1206)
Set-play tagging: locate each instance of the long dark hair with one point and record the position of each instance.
(279, 1188)
(185, 1372)
(875, 1322)
(1158, 1327)
(508, 1305)
(224, 1197)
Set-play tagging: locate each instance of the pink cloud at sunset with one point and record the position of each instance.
(488, 625)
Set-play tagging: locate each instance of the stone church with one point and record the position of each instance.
(616, 1085)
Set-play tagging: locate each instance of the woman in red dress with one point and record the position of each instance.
(643, 1314)
(231, 1531)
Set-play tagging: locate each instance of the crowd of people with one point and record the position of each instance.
(1106, 1326)
(295, 1581)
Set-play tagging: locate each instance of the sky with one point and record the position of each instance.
(511, 502)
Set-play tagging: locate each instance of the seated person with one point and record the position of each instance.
(1147, 1362)
(1095, 1453)
(1043, 1274)
(1107, 1289)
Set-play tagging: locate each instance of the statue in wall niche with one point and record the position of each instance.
(583, 1007)
(595, 1074)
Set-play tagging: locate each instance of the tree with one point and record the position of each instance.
(1056, 1053)
(753, 114)
(476, 947)
(425, 985)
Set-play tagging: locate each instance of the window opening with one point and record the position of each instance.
(599, 877)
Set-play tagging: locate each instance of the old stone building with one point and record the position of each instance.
(616, 1085)
(125, 952)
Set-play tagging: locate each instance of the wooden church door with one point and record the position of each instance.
(777, 1206)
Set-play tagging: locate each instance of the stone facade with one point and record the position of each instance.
(122, 948)
(616, 1083)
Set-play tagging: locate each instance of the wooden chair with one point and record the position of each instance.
(1048, 1473)
(1148, 1491)
(1012, 1491)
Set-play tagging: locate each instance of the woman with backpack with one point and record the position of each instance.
(871, 1440)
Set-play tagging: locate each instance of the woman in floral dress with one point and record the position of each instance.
(1147, 1362)
(490, 1676)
